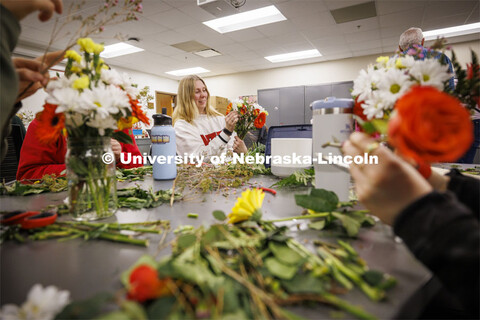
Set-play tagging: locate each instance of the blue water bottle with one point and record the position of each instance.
(163, 148)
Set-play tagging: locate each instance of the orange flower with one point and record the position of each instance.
(50, 124)
(145, 284)
(430, 126)
(256, 112)
(260, 120)
(243, 109)
(137, 111)
(229, 108)
(126, 123)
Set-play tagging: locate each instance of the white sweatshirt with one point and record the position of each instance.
(204, 137)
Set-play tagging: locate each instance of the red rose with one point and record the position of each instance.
(145, 284)
(430, 126)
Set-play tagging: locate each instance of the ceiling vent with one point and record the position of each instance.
(356, 12)
(219, 8)
(190, 46)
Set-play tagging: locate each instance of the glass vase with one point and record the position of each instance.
(92, 184)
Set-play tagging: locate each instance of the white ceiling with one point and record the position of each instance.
(309, 25)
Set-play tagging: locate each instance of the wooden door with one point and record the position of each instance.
(165, 100)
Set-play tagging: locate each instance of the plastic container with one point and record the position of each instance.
(163, 148)
(332, 122)
(289, 149)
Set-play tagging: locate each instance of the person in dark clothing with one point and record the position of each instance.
(437, 219)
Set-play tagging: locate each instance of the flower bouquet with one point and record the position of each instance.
(91, 104)
(251, 116)
(410, 100)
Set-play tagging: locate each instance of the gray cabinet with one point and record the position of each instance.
(291, 105)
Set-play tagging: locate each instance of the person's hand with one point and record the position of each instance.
(29, 71)
(231, 120)
(385, 188)
(239, 146)
(116, 148)
(22, 8)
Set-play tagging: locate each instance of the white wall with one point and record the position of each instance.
(247, 83)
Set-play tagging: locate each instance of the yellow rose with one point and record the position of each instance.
(72, 54)
(81, 83)
(86, 44)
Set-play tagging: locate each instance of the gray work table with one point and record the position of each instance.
(88, 267)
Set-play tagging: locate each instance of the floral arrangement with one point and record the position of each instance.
(410, 100)
(242, 268)
(90, 100)
(251, 116)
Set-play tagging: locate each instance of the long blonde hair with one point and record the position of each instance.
(186, 108)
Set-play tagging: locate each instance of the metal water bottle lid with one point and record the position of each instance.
(332, 105)
(162, 120)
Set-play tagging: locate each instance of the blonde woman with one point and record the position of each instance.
(199, 129)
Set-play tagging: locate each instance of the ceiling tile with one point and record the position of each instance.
(288, 38)
(407, 18)
(313, 20)
(337, 4)
(449, 21)
(300, 8)
(386, 7)
(151, 7)
(277, 28)
(365, 45)
(362, 36)
(172, 19)
(359, 25)
(171, 37)
(244, 35)
(440, 9)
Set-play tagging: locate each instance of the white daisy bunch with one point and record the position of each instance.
(89, 94)
(42, 304)
(380, 85)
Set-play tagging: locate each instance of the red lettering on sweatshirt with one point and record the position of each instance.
(209, 137)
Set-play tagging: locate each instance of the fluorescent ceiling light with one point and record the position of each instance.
(294, 56)
(119, 49)
(245, 20)
(185, 72)
(452, 31)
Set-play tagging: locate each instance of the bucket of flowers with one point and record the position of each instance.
(251, 116)
(90, 104)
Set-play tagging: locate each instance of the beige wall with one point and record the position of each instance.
(247, 83)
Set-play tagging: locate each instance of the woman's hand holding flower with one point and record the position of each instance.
(388, 187)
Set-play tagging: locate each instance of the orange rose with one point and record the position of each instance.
(260, 120)
(145, 284)
(229, 108)
(430, 126)
(358, 110)
(243, 110)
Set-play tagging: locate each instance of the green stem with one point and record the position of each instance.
(308, 216)
(344, 305)
(113, 226)
(120, 238)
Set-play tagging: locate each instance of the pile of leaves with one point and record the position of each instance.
(133, 174)
(138, 198)
(329, 213)
(49, 183)
(68, 230)
(301, 178)
(250, 270)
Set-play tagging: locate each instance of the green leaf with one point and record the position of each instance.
(380, 125)
(351, 225)
(319, 200)
(186, 240)
(279, 269)
(116, 315)
(285, 254)
(213, 235)
(317, 225)
(86, 309)
(122, 137)
(373, 277)
(134, 310)
(161, 308)
(219, 215)
(305, 283)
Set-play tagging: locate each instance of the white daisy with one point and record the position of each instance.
(67, 99)
(105, 101)
(366, 83)
(102, 123)
(430, 72)
(374, 107)
(393, 85)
